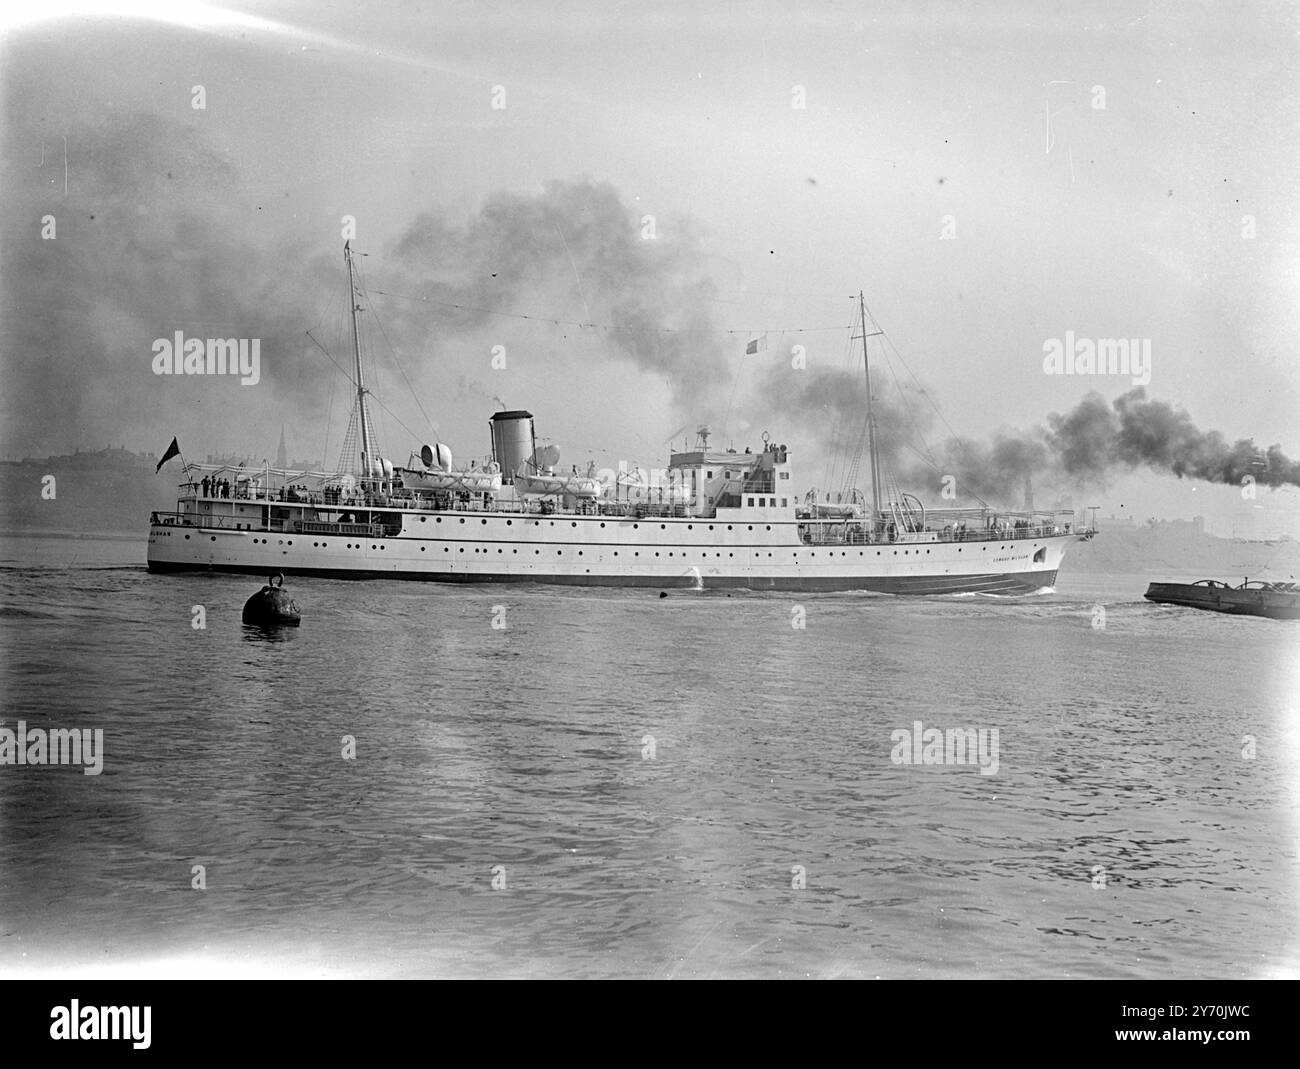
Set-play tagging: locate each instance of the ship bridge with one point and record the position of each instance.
(729, 479)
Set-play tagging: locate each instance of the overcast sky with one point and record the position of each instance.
(993, 177)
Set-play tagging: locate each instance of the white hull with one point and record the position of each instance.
(762, 552)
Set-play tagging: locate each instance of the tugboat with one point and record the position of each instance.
(1278, 601)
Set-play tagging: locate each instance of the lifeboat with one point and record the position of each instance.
(580, 486)
(438, 474)
(537, 478)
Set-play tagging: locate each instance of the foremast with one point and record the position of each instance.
(873, 461)
(367, 445)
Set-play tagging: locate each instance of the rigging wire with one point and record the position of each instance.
(887, 340)
(397, 360)
(926, 394)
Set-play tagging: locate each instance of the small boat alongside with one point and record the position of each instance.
(1278, 601)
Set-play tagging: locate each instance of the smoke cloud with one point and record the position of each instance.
(154, 236)
(158, 234)
(578, 252)
(1086, 446)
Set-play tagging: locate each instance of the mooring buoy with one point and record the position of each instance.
(271, 606)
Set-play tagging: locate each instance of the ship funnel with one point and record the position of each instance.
(512, 440)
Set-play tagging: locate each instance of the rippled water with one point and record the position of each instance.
(649, 777)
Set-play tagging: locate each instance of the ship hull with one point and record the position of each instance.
(618, 552)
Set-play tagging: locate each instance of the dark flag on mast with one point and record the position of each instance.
(173, 450)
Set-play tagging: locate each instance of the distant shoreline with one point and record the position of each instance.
(111, 536)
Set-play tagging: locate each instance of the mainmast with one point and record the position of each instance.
(356, 350)
(871, 420)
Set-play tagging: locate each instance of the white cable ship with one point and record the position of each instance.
(719, 519)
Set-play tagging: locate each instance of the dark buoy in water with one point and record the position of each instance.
(271, 606)
(663, 593)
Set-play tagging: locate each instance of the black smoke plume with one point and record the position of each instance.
(1085, 447)
(577, 252)
(158, 232)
